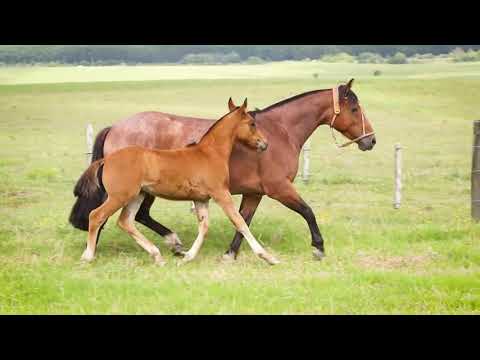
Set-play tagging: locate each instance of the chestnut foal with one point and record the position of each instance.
(198, 172)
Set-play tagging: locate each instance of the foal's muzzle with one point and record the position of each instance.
(261, 145)
(367, 143)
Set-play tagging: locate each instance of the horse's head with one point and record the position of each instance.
(247, 131)
(350, 120)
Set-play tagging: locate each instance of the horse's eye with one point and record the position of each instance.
(252, 125)
(354, 110)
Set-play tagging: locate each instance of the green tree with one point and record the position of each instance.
(398, 58)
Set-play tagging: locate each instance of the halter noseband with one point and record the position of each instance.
(336, 110)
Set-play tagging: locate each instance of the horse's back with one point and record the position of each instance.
(155, 130)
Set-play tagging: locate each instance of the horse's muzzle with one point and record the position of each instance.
(367, 143)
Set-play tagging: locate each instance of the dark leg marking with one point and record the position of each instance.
(144, 218)
(100, 230)
(293, 201)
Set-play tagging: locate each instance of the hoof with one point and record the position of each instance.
(173, 242)
(87, 257)
(178, 251)
(318, 254)
(187, 257)
(268, 258)
(228, 258)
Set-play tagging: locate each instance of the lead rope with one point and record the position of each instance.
(336, 111)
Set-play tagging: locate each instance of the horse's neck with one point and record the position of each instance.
(301, 117)
(220, 139)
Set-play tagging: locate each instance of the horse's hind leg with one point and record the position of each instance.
(143, 217)
(97, 219)
(126, 223)
(201, 209)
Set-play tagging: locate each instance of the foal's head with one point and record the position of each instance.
(247, 131)
(351, 121)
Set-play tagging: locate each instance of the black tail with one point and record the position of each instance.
(89, 200)
(98, 145)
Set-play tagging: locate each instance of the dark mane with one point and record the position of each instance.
(352, 98)
(286, 101)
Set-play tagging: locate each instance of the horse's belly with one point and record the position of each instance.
(185, 190)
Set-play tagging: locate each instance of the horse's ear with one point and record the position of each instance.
(244, 106)
(231, 105)
(348, 87)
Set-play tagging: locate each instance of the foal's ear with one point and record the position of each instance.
(244, 106)
(231, 105)
(348, 87)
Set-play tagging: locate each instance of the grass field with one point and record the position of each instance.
(421, 259)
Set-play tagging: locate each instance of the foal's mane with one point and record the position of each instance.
(211, 128)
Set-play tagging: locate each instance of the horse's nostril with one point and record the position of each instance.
(374, 141)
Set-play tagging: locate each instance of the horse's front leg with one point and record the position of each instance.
(248, 207)
(224, 199)
(288, 196)
(143, 217)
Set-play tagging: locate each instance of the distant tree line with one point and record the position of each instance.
(134, 54)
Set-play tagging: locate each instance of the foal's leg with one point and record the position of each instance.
(143, 217)
(201, 209)
(126, 223)
(224, 199)
(289, 197)
(97, 219)
(247, 210)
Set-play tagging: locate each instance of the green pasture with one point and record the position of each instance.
(421, 259)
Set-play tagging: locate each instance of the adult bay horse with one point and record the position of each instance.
(286, 125)
(198, 172)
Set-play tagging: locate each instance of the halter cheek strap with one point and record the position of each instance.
(336, 111)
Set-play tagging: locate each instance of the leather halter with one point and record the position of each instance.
(336, 111)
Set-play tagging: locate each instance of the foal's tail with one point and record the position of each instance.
(89, 189)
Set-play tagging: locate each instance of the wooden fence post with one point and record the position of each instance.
(398, 176)
(306, 161)
(89, 143)
(475, 191)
